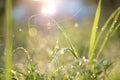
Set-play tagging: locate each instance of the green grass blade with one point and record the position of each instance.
(108, 34)
(104, 27)
(72, 48)
(93, 34)
(115, 30)
(8, 40)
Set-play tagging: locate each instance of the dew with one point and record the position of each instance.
(76, 24)
(72, 66)
(49, 51)
(80, 63)
(28, 71)
(94, 75)
(102, 29)
(57, 44)
(14, 72)
(78, 73)
(96, 27)
(57, 41)
(83, 57)
(20, 29)
(115, 21)
(49, 24)
(31, 60)
(85, 60)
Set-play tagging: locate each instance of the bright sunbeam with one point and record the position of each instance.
(49, 7)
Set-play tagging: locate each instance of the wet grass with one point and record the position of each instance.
(89, 67)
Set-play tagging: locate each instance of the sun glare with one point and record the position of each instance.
(48, 7)
(49, 10)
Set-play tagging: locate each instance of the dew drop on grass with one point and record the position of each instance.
(76, 25)
(94, 75)
(77, 73)
(115, 21)
(102, 29)
(14, 72)
(72, 66)
(96, 27)
(49, 24)
(85, 60)
(80, 63)
(20, 29)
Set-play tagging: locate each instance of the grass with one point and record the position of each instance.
(8, 42)
(80, 68)
(93, 32)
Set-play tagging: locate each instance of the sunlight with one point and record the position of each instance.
(48, 7)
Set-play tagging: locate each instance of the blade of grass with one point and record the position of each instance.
(104, 27)
(60, 52)
(8, 40)
(72, 48)
(117, 26)
(93, 34)
(108, 34)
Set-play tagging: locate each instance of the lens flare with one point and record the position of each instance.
(48, 7)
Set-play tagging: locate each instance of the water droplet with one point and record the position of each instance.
(102, 29)
(97, 27)
(57, 41)
(72, 66)
(20, 29)
(49, 24)
(94, 75)
(56, 46)
(14, 72)
(78, 73)
(83, 57)
(80, 63)
(76, 25)
(115, 21)
(85, 60)
(28, 71)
